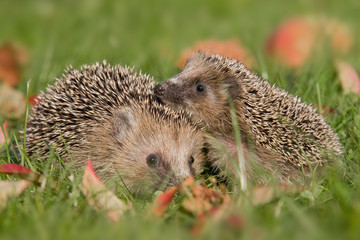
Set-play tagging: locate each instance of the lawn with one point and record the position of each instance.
(151, 36)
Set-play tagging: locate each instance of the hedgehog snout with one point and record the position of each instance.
(177, 180)
(159, 89)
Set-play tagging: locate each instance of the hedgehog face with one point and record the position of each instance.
(200, 88)
(151, 153)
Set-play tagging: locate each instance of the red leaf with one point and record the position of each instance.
(33, 100)
(296, 39)
(293, 42)
(14, 168)
(163, 201)
(3, 134)
(21, 172)
(99, 197)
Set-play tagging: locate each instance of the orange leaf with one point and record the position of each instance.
(202, 199)
(231, 49)
(348, 76)
(163, 201)
(293, 42)
(99, 197)
(12, 57)
(296, 39)
(341, 37)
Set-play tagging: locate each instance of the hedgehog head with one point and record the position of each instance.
(149, 150)
(204, 85)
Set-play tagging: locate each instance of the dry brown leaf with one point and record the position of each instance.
(10, 189)
(265, 193)
(231, 49)
(348, 76)
(12, 58)
(203, 199)
(12, 102)
(99, 197)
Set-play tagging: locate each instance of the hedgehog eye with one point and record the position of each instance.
(152, 161)
(191, 160)
(200, 87)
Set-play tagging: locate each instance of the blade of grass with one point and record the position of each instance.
(240, 153)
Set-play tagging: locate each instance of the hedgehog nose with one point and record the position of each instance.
(159, 89)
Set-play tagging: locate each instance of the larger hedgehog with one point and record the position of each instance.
(109, 115)
(283, 135)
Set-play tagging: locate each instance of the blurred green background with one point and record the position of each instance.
(148, 34)
(151, 35)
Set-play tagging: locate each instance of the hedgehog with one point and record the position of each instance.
(280, 134)
(110, 115)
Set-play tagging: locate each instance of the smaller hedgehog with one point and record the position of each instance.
(109, 115)
(280, 134)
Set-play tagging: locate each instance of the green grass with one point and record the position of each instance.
(151, 36)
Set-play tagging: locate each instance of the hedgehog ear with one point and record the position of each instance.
(232, 87)
(124, 121)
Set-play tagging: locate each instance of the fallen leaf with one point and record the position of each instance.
(12, 102)
(348, 76)
(265, 193)
(231, 49)
(163, 200)
(33, 100)
(13, 168)
(203, 199)
(293, 42)
(99, 197)
(296, 39)
(10, 189)
(3, 134)
(340, 35)
(21, 172)
(12, 58)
